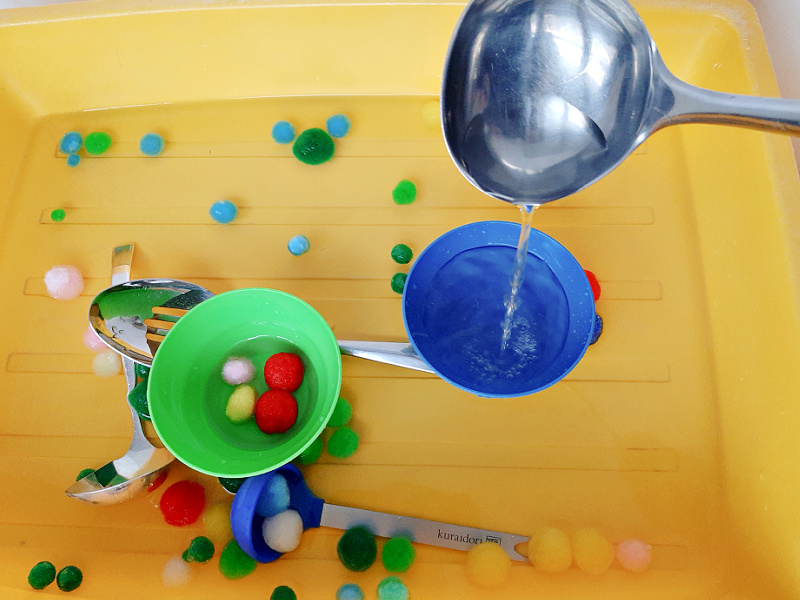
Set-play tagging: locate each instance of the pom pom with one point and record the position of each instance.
(151, 144)
(398, 282)
(241, 403)
(106, 363)
(283, 132)
(398, 554)
(182, 503)
(71, 142)
(298, 245)
(175, 573)
(550, 550)
(73, 160)
(634, 555)
(234, 563)
(404, 192)
(92, 341)
(343, 443)
(97, 142)
(488, 564)
(41, 575)
(592, 552)
(357, 549)
(313, 147)
(350, 591)
(311, 454)
(223, 211)
(276, 411)
(283, 592)
(63, 282)
(282, 532)
(231, 484)
(338, 126)
(341, 413)
(595, 285)
(274, 498)
(69, 578)
(391, 588)
(402, 254)
(284, 371)
(58, 215)
(237, 370)
(217, 524)
(200, 550)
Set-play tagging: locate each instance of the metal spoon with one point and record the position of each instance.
(143, 463)
(117, 314)
(541, 98)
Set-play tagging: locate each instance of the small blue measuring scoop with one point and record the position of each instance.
(315, 512)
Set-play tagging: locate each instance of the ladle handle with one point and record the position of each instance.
(691, 104)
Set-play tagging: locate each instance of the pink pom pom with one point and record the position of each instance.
(63, 282)
(237, 370)
(634, 555)
(92, 341)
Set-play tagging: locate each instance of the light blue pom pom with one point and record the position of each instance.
(283, 132)
(73, 160)
(151, 144)
(338, 126)
(71, 142)
(298, 245)
(349, 591)
(223, 211)
(275, 497)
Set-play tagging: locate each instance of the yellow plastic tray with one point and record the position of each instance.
(681, 426)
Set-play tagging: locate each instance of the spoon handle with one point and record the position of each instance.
(691, 104)
(399, 354)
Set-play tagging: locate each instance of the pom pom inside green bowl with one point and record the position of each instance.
(187, 394)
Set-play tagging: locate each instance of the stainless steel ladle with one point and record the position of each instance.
(541, 98)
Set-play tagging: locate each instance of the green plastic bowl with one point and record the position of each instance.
(187, 394)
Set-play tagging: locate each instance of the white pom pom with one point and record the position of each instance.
(106, 363)
(63, 282)
(283, 531)
(237, 370)
(175, 573)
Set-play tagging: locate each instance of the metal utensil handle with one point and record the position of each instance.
(391, 353)
(691, 104)
(422, 531)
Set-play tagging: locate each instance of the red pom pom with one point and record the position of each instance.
(284, 371)
(182, 502)
(594, 283)
(276, 411)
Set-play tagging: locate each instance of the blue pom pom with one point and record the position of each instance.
(283, 132)
(71, 142)
(151, 144)
(349, 591)
(73, 160)
(338, 126)
(298, 245)
(274, 499)
(223, 211)
(598, 329)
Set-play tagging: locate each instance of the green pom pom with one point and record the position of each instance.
(313, 147)
(232, 484)
(398, 554)
(391, 588)
(343, 443)
(311, 454)
(58, 215)
(41, 575)
(399, 282)
(142, 371)
(97, 142)
(84, 473)
(402, 254)
(357, 549)
(200, 550)
(405, 192)
(69, 578)
(234, 563)
(137, 398)
(341, 413)
(283, 592)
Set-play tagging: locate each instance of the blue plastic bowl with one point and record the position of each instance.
(453, 310)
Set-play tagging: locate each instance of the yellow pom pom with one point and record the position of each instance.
(217, 524)
(593, 553)
(430, 114)
(488, 564)
(549, 549)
